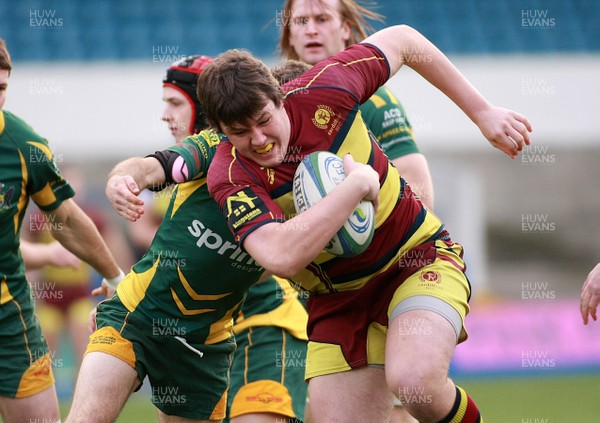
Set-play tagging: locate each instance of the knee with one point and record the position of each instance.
(416, 383)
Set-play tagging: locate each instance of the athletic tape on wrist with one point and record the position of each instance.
(114, 282)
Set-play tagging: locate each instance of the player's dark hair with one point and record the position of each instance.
(5, 63)
(235, 87)
(356, 13)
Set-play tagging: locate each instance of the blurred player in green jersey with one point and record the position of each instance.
(28, 172)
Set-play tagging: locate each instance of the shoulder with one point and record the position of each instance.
(223, 164)
(354, 57)
(229, 171)
(225, 151)
(12, 120)
(360, 51)
(18, 129)
(203, 143)
(208, 137)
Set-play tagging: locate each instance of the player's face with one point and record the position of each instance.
(266, 137)
(3, 86)
(177, 113)
(317, 30)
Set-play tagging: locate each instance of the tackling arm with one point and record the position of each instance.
(128, 179)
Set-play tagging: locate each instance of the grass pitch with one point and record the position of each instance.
(543, 399)
(558, 399)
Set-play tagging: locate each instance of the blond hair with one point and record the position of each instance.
(355, 13)
(5, 63)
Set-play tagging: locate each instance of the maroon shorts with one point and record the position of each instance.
(347, 330)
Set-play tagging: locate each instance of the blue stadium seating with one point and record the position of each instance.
(136, 29)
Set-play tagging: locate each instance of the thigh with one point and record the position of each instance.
(420, 343)
(359, 395)
(263, 418)
(426, 317)
(267, 375)
(112, 368)
(25, 363)
(440, 287)
(165, 418)
(426, 321)
(189, 380)
(42, 406)
(104, 384)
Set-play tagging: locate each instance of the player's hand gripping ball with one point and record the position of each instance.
(315, 177)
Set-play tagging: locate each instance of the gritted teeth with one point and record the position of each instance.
(266, 149)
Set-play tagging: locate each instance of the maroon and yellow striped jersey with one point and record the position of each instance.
(323, 107)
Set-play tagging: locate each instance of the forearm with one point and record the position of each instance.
(286, 248)
(78, 234)
(403, 45)
(145, 171)
(128, 179)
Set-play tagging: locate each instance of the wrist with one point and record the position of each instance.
(359, 183)
(115, 281)
(479, 111)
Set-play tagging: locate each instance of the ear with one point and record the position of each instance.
(346, 32)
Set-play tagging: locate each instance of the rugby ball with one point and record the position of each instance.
(318, 174)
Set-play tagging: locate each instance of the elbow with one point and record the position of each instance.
(287, 273)
(406, 35)
(406, 29)
(277, 250)
(401, 30)
(282, 265)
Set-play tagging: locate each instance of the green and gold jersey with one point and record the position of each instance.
(194, 277)
(273, 303)
(27, 169)
(385, 117)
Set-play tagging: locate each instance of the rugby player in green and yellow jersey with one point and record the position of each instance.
(28, 172)
(172, 317)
